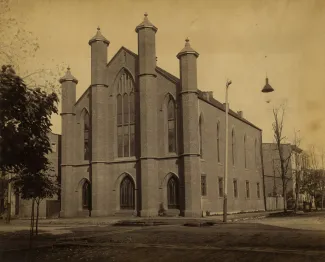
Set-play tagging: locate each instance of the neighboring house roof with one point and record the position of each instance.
(212, 101)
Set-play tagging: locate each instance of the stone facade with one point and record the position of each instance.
(141, 141)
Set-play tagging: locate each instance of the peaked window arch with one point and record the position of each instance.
(245, 151)
(86, 131)
(171, 117)
(125, 110)
(86, 195)
(127, 199)
(233, 145)
(200, 134)
(218, 141)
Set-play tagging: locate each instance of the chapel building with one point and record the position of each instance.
(141, 141)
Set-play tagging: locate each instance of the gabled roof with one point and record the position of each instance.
(212, 101)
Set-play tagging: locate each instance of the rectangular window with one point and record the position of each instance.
(132, 142)
(235, 188)
(119, 142)
(53, 146)
(203, 185)
(258, 190)
(86, 149)
(126, 141)
(247, 189)
(220, 183)
(171, 136)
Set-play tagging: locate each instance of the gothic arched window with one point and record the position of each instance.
(218, 142)
(171, 114)
(173, 193)
(86, 195)
(233, 146)
(125, 116)
(127, 199)
(86, 143)
(200, 134)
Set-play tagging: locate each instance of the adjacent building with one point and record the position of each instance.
(141, 141)
(21, 208)
(295, 162)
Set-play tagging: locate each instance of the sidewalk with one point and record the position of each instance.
(92, 221)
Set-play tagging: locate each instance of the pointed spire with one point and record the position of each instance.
(68, 77)
(187, 50)
(146, 24)
(98, 37)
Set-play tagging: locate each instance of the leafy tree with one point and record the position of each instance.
(24, 124)
(310, 184)
(35, 187)
(24, 128)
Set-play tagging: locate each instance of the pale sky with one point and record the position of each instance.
(237, 39)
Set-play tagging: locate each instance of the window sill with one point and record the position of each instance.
(202, 160)
(172, 154)
(204, 197)
(130, 158)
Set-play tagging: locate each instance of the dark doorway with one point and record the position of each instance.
(86, 195)
(127, 193)
(173, 193)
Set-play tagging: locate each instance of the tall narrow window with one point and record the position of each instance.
(235, 188)
(247, 189)
(86, 136)
(119, 125)
(218, 142)
(171, 126)
(125, 116)
(256, 150)
(86, 195)
(200, 134)
(220, 184)
(203, 185)
(245, 151)
(233, 146)
(126, 139)
(132, 124)
(258, 190)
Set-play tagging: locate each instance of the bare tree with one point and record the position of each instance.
(284, 157)
(322, 181)
(297, 172)
(19, 46)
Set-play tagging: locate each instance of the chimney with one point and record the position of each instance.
(240, 113)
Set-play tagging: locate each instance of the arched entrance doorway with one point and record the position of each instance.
(86, 195)
(173, 193)
(127, 198)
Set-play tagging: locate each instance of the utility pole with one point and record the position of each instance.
(226, 158)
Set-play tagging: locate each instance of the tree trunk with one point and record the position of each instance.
(31, 225)
(297, 196)
(284, 193)
(37, 215)
(322, 200)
